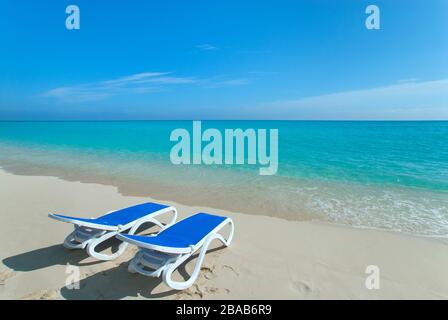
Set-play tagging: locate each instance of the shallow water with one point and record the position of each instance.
(389, 175)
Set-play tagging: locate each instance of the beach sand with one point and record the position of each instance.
(270, 258)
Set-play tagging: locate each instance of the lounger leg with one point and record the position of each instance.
(79, 239)
(71, 243)
(167, 274)
(123, 246)
(95, 242)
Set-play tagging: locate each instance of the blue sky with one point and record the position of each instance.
(223, 60)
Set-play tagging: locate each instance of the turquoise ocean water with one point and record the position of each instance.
(388, 175)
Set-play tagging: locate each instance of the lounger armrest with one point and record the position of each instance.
(89, 223)
(173, 250)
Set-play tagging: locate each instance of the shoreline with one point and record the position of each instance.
(265, 205)
(294, 259)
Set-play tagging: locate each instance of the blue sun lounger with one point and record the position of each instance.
(163, 253)
(89, 233)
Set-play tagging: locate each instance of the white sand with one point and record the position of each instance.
(270, 258)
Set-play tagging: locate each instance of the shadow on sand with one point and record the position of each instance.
(58, 255)
(46, 257)
(119, 283)
(115, 283)
(55, 255)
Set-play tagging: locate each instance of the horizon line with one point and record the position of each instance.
(283, 120)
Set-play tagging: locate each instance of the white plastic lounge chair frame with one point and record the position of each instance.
(90, 235)
(165, 260)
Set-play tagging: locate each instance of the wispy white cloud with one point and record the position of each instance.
(206, 47)
(140, 83)
(408, 100)
(168, 80)
(135, 78)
